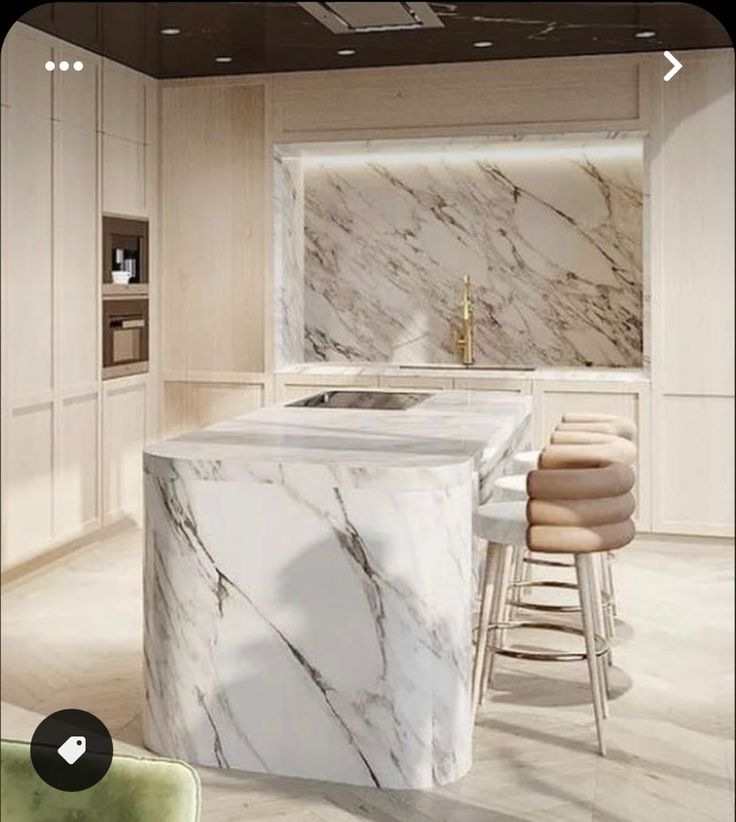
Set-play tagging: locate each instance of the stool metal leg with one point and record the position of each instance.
(483, 620)
(582, 566)
(606, 589)
(498, 611)
(599, 624)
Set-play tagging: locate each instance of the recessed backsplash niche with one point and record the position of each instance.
(372, 249)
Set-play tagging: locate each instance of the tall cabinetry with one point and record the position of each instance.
(691, 164)
(59, 460)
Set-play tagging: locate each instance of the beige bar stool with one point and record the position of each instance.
(594, 428)
(580, 503)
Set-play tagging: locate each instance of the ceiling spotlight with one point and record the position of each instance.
(50, 65)
(170, 31)
(78, 65)
(483, 44)
(223, 59)
(63, 65)
(346, 52)
(645, 35)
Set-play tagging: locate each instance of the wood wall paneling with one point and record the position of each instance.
(472, 96)
(694, 350)
(213, 197)
(189, 406)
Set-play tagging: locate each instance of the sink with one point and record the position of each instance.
(373, 400)
(460, 366)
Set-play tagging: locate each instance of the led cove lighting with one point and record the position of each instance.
(170, 31)
(616, 149)
(643, 35)
(483, 44)
(346, 52)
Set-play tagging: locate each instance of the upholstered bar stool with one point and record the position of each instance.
(580, 503)
(588, 427)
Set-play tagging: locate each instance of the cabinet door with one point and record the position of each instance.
(124, 435)
(694, 470)
(76, 274)
(27, 502)
(76, 474)
(28, 253)
(123, 177)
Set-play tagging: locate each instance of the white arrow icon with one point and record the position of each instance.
(676, 66)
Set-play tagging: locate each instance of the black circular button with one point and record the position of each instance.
(71, 750)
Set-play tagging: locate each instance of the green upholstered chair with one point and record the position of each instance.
(134, 789)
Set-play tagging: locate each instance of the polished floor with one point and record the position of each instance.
(71, 637)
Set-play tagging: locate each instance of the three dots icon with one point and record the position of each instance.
(50, 65)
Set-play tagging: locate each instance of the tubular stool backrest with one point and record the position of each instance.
(600, 423)
(565, 436)
(580, 498)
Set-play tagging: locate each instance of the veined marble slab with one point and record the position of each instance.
(308, 588)
(553, 246)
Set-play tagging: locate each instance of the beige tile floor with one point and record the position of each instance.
(71, 637)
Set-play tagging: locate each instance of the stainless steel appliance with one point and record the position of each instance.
(124, 336)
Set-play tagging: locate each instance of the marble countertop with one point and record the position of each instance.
(450, 428)
(458, 370)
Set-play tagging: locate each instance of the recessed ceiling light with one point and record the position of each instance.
(644, 35)
(346, 52)
(483, 44)
(223, 59)
(170, 31)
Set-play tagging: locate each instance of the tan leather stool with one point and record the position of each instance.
(580, 503)
(601, 423)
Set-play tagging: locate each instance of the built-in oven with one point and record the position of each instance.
(124, 336)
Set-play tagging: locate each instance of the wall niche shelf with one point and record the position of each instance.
(124, 253)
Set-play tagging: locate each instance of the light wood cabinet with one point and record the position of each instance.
(123, 177)
(76, 473)
(28, 83)
(123, 438)
(76, 259)
(28, 498)
(28, 255)
(123, 103)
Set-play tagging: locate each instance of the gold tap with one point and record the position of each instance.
(464, 340)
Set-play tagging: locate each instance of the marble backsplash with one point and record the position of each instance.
(371, 252)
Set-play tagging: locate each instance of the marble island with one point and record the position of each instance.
(308, 588)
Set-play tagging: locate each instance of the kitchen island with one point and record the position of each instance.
(308, 587)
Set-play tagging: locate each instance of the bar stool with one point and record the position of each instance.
(580, 503)
(583, 427)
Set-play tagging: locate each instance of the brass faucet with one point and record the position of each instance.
(464, 340)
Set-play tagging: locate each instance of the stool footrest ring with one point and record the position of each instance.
(517, 602)
(601, 646)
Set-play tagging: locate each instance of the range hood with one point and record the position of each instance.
(362, 18)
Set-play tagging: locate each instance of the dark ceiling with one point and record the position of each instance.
(268, 37)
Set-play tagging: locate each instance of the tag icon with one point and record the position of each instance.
(72, 749)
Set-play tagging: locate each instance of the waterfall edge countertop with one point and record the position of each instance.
(308, 588)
